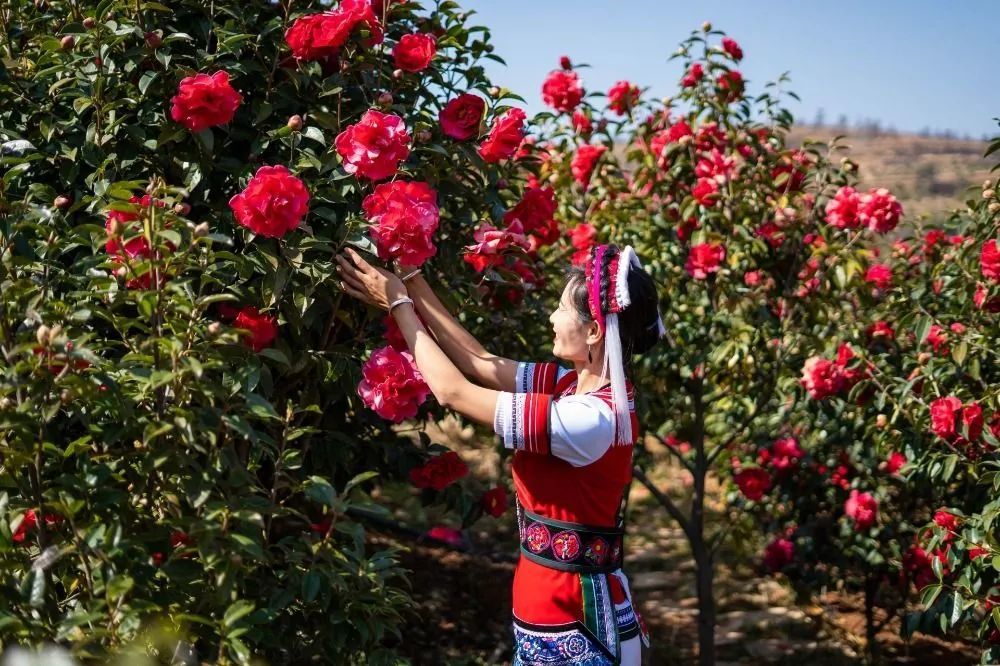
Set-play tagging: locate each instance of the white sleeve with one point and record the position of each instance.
(583, 429)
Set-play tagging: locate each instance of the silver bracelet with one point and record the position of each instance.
(400, 301)
(415, 271)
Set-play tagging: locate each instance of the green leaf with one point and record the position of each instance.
(319, 490)
(236, 611)
(359, 479)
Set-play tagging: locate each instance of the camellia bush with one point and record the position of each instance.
(190, 420)
(735, 226)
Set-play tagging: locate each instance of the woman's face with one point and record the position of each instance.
(571, 335)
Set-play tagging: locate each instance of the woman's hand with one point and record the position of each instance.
(373, 285)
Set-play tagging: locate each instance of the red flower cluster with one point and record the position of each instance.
(136, 249)
(374, 146)
(954, 422)
(414, 53)
(582, 237)
(439, 472)
(494, 501)
(261, 329)
(879, 211)
(505, 136)
(273, 202)
(391, 385)
(584, 161)
(622, 96)
(492, 244)
(562, 90)
(778, 554)
(204, 100)
(695, 74)
(320, 36)
(535, 211)
(753, 482)
(862, 508)
(823, 378)
(29, 523)
(404, 216)
(782, 455)
(704, 259)
(989, 260)
(732, 48)
(706, 192)
(730, 85)
(460, 118)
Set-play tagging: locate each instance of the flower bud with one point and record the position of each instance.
(923, 357)
(153, 39)
(89, 22)
(5, 403)
(295, 123)
(398, 74)
(502, 184)
(182, 209)
(385, 99)
(989, 194)
(706, 26)
(65, 396)
(881, 420)
(565, 63)
(201, 230)
(67, 43)
(987, 184)
(214, 328)
(42, 335)
(62, 202)
(121, 272)
(493, 91)
(994, 208)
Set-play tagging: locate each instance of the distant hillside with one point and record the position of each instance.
(929, 175)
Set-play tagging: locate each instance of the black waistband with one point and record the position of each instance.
(557, 544)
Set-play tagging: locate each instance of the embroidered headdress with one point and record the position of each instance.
(606, 300)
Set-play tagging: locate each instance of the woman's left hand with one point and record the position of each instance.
(373, 285)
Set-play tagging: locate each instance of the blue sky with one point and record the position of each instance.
(910, 64)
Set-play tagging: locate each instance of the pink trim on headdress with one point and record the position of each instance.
(594, 286)
(615, 306)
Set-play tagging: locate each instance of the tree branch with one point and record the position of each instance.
(665, 501)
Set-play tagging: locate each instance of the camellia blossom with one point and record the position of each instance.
(785, 453)
(732, 48)
(989, 260)
(695, 74)
(584, 161)
(535, 211)
(404, 217)
(321, 36)
(261, 329)
(273, 202)
(492, 244)
(374, 146)
(704, 259)
(204, 100)
(582, 123)
(706, 192)
(505, 136)
(862, 508)
(895, 462)
(136, 248)
(494, 501)
(392, 385)
(439, 472)
(461, 117)
(879, 275)
(448, 535)
(716, 166)
(622, 96)
(582, 237)
(730, 85)
(753, 482)
(29, 523)
(562, 90)
(414, 53)
(842, 209)
(879, 211)
(948, 415)
(779, 554)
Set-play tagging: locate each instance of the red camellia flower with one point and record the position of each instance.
(937, 338)
(494, 501)
(448, 535)
(393, 334)
(505, 136)
(704, 259)
(622, 96)
(753, 482)
(582, 123)
(273, 202)
(492, 244)
(404, 216)
(204, 100)
(584, 161)
(778, 554)
(136, 249)
(565, 62)
(261, 329)
(392, 385)
(880, 329)
(320, 36)
(180, 539)
(732, 48)
(880, 275)
(535, 212)
(895, 462)
(716, 166)
(29, 523)
(460, 118)
(944, 417)
(678, 131)
(695, 74)
(706, 192)
(582, 238)
(842, 209)
(862, 508)
(949, 522)
(989, 261)
(917, 567)
(879, 211)
(730, 85)
(785, 453)
(374, 146)
(562, 90)
(822, 378)
(414, 53)
(439, 472)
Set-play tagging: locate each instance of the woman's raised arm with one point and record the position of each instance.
(462, 348)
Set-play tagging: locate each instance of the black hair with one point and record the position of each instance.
(638, 324)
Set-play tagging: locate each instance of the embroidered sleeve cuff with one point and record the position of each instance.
(522, 421)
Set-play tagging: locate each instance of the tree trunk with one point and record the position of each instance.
(706, 604)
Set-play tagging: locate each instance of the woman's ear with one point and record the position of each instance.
(594, 334)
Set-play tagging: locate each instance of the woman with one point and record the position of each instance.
(572, 431)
